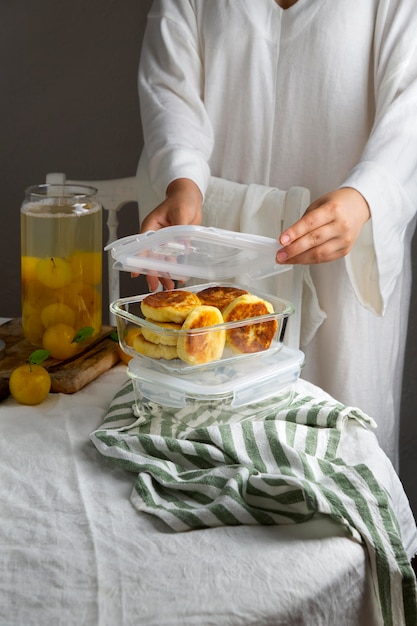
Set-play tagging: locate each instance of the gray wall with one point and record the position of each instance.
(69, 103)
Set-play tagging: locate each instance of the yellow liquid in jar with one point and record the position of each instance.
(61, 270)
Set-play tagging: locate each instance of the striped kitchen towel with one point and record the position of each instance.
(199, 469)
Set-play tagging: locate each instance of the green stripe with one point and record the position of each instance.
(277, 449)
(381, 558)
(290, 431)
(122, 412)
(224, 515)
(311, 441)
(158, 470)
(168, 495)
(111, 441)
(385, 509)
(204, 478)
(393, 534)
(293, 495)
(292, 413)
(260, 516)
(188, 450)
(204, 436)
(187, 517)
(308, 471)
(218, 509)
(251, 446)
(228, 443)
(313, 416)
(148, 447)
(333, 416)
(332, 444)
(125, 390)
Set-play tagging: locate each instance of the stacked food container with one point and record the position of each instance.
(217, 343)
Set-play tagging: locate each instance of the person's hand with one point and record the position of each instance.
(328, 229)
(182, 205)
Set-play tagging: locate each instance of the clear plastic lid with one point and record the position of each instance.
(181, 252)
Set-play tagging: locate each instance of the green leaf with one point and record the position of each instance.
(83, 334)
(38, 357)
(114, 335)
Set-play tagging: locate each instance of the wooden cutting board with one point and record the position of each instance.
(66, 376)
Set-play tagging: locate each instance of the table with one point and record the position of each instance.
(74, 551)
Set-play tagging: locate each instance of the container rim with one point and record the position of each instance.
(116, 307)
(66, 190)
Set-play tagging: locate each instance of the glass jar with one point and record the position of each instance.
(61, 264)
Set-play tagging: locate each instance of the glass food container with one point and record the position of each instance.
(61, 264)
(215, 256)
(246, 378)
(244, 389)
(131, 322)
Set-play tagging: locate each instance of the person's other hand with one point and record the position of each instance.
(182, 205)
(328, 229)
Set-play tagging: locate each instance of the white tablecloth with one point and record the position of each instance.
(74, 551)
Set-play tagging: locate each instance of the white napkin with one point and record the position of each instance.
(267, 211)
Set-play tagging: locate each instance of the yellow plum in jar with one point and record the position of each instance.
(86, 266)
(36, 298)
(37, 294)
(87, 305)
(54, 272)
(68, 295)
(28, 269)
(59, 341)
(57, 312)
(32, 323)
(61, 251)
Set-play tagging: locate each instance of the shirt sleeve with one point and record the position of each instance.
(177, 131)
(386, 174)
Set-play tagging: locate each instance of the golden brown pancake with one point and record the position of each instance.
(220, 296)
(157, 335)
(154, 350)
(169, 306)
(251, 337)
(201, 347)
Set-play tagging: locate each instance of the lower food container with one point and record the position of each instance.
(245, 389)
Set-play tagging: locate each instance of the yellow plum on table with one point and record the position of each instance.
(30, 383)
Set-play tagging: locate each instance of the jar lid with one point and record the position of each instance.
(181, 252)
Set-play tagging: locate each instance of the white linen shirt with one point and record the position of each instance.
(253, 93)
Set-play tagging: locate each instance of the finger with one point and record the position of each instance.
(330, 250)
(167, 283)
(153, 222)
(309, 241)
(152, 282)
(312, 220)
